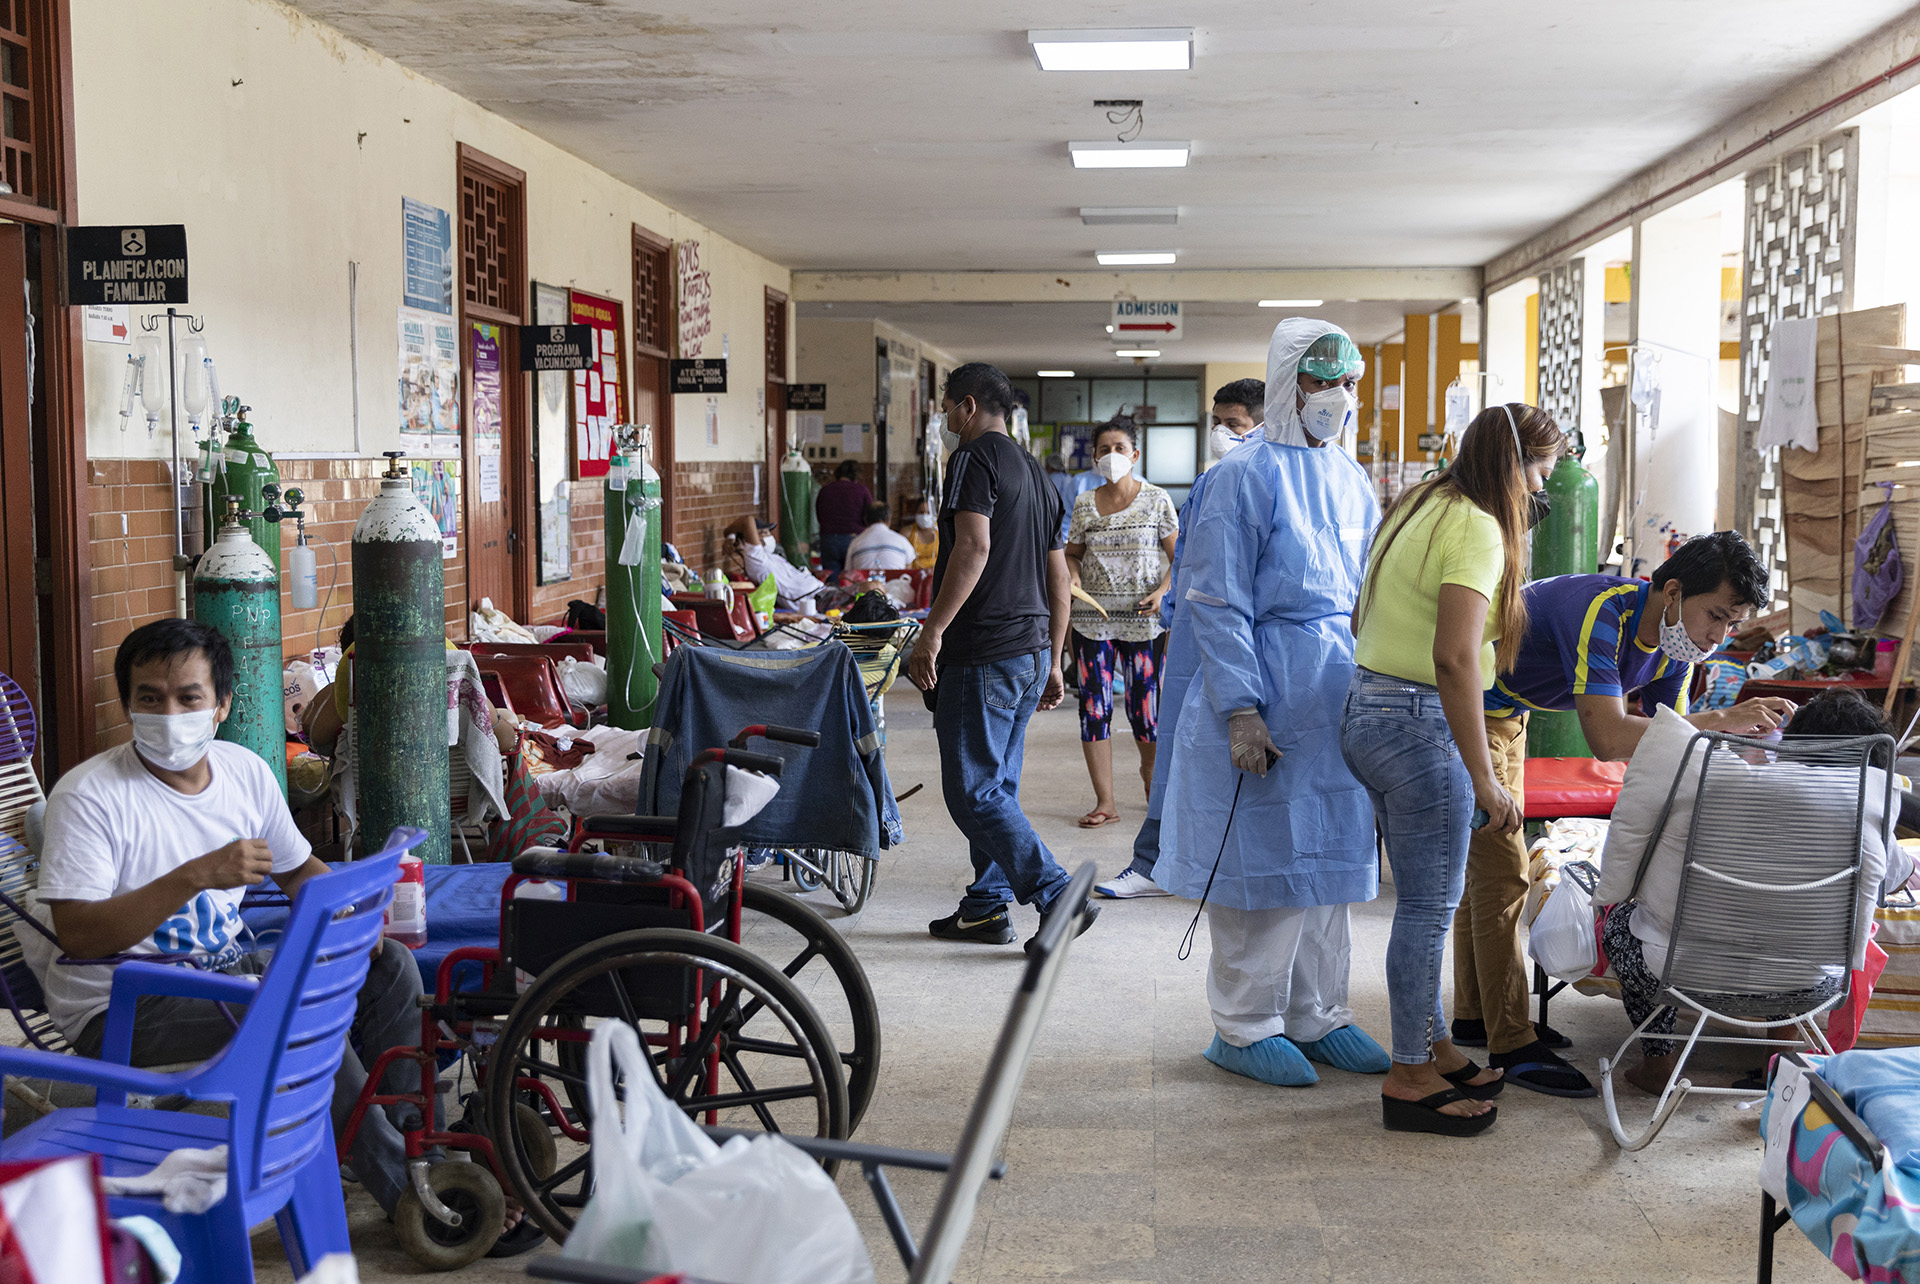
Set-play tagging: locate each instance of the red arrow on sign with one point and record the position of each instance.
(1162, 325)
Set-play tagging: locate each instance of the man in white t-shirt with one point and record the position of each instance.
(879, 547)
(148, 850)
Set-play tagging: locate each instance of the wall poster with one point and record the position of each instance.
(599, 391)
(437, 484)
(553, 492)
(696, 300)
(429, 384)
(426, 242)
(487, 423)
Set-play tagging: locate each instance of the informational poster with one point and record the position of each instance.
(696, 300)
(598, 401)
(108, 323)
(552, 486)
(853, 439)
(488, 467)
(808, 429)
(429, 384)
(487, 425)
(436, 483)
(426, 241)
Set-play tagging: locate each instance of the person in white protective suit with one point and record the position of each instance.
(1279, 845)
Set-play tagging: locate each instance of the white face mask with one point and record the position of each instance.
(1330, 412)
(923, 520)
(173, 741)
(1674, 640)
(1113, 466)
(766, 541)
(1221, 439)
(949, 440)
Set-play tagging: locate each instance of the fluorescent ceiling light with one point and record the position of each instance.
(1136, 352)
(1291, 303)
(1106, 215)
(1124, 49)
(1054, 374)
(1142, 154)
(1133, 258)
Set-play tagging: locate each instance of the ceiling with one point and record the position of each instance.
(873, 134)
(1023, 337)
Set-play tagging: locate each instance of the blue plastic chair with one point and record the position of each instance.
(276, 1076)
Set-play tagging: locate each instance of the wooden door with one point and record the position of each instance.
(496, 483)
(19, 631)
(653, 319)
(776, 413)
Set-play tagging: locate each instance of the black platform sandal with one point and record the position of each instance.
(1424, 1115)
(1462, 1077)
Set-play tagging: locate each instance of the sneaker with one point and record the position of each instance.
(1473, 1034)
(1129, 885)
(995, 929)
(1093, 912)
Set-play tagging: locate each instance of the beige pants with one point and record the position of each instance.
(1489, 969)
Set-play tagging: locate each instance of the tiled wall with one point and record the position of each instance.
(133, 576)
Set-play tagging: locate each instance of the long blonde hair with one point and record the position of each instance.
(1491, 475)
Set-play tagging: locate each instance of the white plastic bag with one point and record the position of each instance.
(668, 1199)
(584, 684)
(1562, 939)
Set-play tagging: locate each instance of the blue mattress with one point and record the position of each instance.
(463, 909)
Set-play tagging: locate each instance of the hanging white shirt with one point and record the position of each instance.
(879, 548)
(1789, 415)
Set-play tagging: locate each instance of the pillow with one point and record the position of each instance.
(1659, 756)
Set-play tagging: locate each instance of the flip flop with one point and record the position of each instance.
(1545, 1073)
(1462, 1077)
(1096, 818)
(1424, 1115)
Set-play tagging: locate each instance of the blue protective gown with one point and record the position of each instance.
(1269, 575)
(1178, 663)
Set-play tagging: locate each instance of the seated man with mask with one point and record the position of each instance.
(760, 557)
(149, 847)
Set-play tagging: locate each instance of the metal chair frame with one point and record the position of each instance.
(1700, 882)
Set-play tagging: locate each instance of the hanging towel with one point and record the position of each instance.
(1788, 415)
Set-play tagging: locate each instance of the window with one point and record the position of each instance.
(24, 40)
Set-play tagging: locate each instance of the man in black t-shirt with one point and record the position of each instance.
(990, 651)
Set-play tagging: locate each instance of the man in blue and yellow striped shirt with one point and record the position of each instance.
(1613, 650)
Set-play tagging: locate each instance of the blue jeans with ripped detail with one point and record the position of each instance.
(980, 721)
(1396, 741)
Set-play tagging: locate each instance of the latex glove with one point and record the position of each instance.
(1249, 744)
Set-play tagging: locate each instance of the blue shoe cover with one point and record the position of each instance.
(1274, 1060)
(1349, 1048)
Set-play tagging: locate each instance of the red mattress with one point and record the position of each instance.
(1559, 787)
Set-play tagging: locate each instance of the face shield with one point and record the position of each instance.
(1332, 358)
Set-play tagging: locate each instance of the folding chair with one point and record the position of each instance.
(1770, 896)
(970, 1167)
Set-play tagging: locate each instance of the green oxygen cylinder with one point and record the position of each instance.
(236, 592)
(633, 580)
(1566, 543)
(400, 703)
(240, 468)
(799, 528)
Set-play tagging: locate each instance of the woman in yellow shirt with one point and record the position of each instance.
(1443, 586)
(920, 532)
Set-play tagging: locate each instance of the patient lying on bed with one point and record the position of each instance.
(1638, 927)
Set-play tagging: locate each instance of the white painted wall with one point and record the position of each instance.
(843, 354)
(285, 149)
(1505, 347)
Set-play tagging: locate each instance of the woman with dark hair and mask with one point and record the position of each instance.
(1443, 586)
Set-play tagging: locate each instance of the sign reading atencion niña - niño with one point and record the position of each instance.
(556, 347)
(127, 264)
(699, 374)
(806, 396)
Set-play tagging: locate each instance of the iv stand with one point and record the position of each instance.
(181, 562)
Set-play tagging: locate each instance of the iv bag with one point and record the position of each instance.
(635, 543)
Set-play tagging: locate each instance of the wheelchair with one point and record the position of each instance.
(647, 920)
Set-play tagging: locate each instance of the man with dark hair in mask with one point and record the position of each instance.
(1593, 643)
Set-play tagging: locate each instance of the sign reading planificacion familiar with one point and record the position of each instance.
(127, 264)
(698, 375)
(556, 347)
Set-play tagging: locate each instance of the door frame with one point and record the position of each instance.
(66, 672)
(515, 405)
(664, 454)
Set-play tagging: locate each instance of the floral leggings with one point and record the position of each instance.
(1640, 985)
(1095, 660)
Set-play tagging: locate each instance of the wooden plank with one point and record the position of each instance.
(1868, 327)
(1824, 464)
(1860, 385)
(1907, 477)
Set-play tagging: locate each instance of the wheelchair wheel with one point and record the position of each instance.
(731, 1039)
(852, 880)
(467, 1189)
(804, 877)
(808, 950)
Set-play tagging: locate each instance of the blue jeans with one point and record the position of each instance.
(833, 552)
(1395, 739)
(981, 723)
